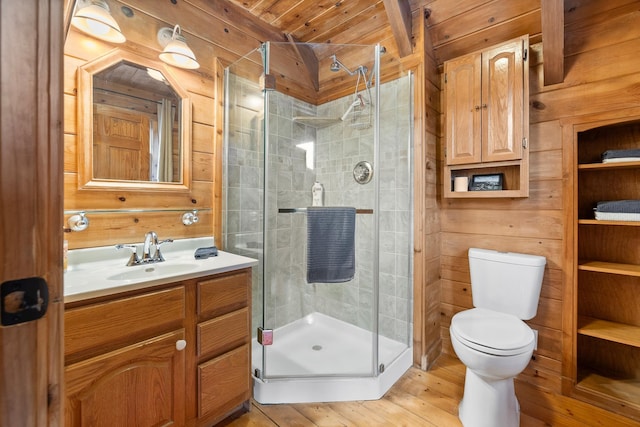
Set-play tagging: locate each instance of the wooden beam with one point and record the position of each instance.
(308, 58)
(553, 41)
(399, 15)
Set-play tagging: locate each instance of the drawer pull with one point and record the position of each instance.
(180, 345)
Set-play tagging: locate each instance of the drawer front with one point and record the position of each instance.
(118, 322)
(224, 383)
(223, 333)
(221, 295)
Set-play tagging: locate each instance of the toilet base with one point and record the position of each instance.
(488, 402)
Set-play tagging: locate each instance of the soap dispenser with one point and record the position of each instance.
(317, 194)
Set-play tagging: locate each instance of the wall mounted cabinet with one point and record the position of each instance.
(607, 273)
(487, 118)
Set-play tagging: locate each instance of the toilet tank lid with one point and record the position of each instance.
(507, 257)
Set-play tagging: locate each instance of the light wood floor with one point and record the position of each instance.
(428, 399)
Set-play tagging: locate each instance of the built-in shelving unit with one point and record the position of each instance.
(607, 273)
(515, 178)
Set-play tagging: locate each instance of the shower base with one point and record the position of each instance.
(321, 359)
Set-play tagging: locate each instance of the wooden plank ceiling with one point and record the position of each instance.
(455, 27)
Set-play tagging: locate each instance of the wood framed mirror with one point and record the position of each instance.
(134, 125)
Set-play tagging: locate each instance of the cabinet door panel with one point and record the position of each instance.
(502, 102)
(224, 383)
(139, 385)
(463, 117)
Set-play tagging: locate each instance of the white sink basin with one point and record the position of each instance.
(150, 271)
(100, 271)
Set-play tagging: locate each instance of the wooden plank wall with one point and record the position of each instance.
(427, 248)
(210, 34)
(219, 33)
(601, 74)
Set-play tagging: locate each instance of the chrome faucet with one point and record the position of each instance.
(150, 250)
(150, 239)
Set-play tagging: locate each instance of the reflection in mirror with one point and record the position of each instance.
(134, 121)
(136, 125)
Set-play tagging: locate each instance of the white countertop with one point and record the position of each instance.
(103, 271)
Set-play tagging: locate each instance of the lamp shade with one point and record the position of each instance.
(95, 19)
(176, 52)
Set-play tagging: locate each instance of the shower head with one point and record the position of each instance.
(335, 64)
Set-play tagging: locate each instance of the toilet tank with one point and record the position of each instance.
(507, 282)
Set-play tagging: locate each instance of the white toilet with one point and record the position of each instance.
(491, 339)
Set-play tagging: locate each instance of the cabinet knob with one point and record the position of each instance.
(484, 106)
(180, 345)
(477, 108)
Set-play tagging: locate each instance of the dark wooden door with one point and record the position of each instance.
(31, 39)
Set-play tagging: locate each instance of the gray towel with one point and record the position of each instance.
(331, 244)
(619, 154)
(619, 206)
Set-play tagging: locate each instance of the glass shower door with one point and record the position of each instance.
(396, 225)
(243, 200)
(319, 329)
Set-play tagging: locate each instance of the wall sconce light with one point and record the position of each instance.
(176, 52)
(93, 17)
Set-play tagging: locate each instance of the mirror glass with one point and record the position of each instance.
(136, 125)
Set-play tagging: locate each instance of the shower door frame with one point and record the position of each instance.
(374, 367)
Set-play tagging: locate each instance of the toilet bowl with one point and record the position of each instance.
(500, 353)
(492, 340)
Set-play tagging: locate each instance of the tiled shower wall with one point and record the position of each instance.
(338, 148)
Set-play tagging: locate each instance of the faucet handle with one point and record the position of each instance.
(133, 260)
(158, 256)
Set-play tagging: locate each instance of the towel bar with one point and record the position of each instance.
(303, 210)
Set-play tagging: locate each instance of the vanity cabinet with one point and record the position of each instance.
(173, 354)
(223, 345)
(487, 118)
(122, 366)
(607, 276)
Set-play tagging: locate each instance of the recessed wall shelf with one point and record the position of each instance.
(607, 269)
(610, 267)
(613, 165)
(606, 222)
(610, 331)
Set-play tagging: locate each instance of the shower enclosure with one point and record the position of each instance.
(297, 115)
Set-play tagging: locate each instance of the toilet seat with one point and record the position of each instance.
(492, 332)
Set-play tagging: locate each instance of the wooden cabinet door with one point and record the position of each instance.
(462, 107)
(138, 386)
(502, 102)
